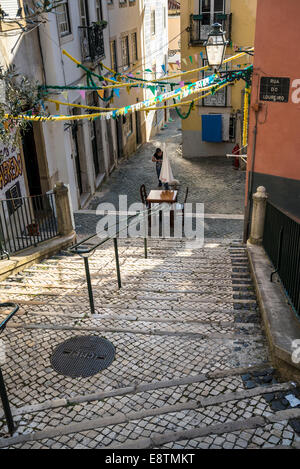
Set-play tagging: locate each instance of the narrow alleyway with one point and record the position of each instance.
(211, 181)
(191, 368)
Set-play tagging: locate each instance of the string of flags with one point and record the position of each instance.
(195, 58)
(117, 84)
(182, 90)
(184, 60)
(181, 93)
(205, 84)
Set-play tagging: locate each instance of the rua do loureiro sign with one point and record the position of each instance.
(274, 89)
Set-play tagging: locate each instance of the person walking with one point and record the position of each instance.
(158, 159)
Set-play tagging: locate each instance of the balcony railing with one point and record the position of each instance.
(92, 42)
(26, 222)
(199, 30)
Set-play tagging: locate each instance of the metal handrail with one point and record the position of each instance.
(3, 392)
(103, 241)
(15, 307)
(85, 252)
(281, 241)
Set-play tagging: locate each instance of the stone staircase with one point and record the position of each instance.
(191, 367)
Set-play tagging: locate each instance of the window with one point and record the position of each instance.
(125, 52)
(83, 13)
(153, 22)
(110, 2)
(232, 127)
(220, 98)
(99, 14)
(210, 10)
(11, 8)
(113, 54)
(14, 193)
(134, 47)
(63, 19)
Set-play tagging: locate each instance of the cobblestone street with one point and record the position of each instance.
(191, 368)
(211, 181)
(150, 228)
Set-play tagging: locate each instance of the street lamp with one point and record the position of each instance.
(216, 46)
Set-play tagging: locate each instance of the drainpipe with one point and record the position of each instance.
(42, 55)
(256, 108)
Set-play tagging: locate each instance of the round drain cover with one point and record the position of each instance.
(82, 356)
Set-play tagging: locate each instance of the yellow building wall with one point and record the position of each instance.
(174, 31)
(242, 35)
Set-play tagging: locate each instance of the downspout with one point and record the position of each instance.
(42, 55)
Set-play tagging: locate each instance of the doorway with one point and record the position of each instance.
(96, 137)
(119, 130)
(110, 145)
(80, 162)
(77, 159)
(138, 128)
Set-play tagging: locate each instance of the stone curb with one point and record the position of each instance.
(160, 440)
(179, 302)
(158, 320)
(32, 255)
(234, 396)
(281, 325)
(142, 387)
(191, 335)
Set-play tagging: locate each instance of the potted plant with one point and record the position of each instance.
(101, 23)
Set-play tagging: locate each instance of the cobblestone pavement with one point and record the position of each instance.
(191, 368)
(211, 181)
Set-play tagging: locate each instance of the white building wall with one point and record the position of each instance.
(156, 53)
(152, 49)
(24, 52)
(61, 71)
(124, 20)
(31, 56)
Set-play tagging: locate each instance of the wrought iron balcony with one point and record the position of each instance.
(199, 30)
(92, 42)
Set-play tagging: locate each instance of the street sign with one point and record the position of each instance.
(274, 89)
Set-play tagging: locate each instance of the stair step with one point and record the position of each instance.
(209, 313)
(185, 326)
(247, 407)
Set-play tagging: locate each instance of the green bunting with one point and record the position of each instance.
(187, 114)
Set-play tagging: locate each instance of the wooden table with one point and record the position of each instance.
(163, 197)
(160, 197)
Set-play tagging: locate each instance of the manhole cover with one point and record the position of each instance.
(82, 356)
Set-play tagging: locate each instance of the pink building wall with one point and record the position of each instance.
(277, 151)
